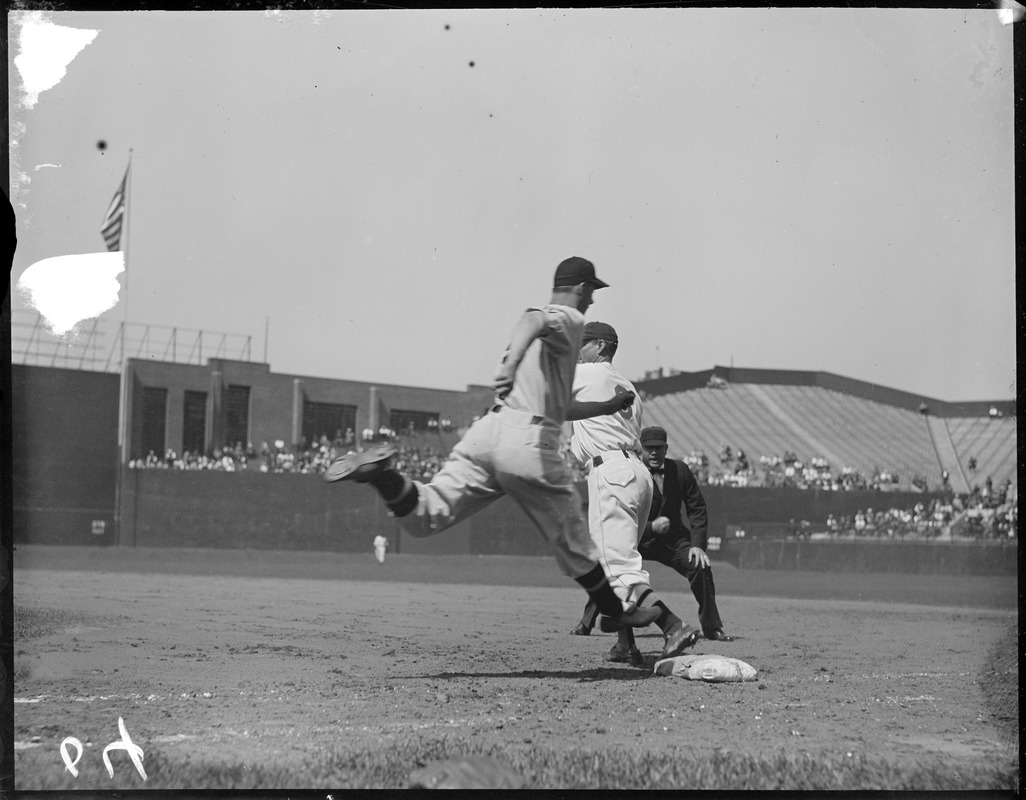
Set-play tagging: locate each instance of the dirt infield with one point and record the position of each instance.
(259, 668)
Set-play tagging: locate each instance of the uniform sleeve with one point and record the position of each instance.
(557, 325)
(694, 507)
(580, 383)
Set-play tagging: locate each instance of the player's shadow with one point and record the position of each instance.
(583, 676)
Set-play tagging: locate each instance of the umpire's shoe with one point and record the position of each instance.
(680, 639)
(620, 656)
(638, 618)
(360, 467)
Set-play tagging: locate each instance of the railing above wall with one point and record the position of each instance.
(100, 345)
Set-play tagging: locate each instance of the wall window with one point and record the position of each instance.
(154, 422)
(401, 420)
(194, 422)
(326, 419)
(236, 405)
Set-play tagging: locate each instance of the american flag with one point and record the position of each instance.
(115, 217)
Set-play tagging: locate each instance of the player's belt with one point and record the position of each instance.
(597, 461)
(535, 420)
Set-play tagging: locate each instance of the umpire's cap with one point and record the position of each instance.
(600, 330)
(653, 435)
(575, 270)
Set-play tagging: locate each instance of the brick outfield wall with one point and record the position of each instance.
(300, 512)
(64, 454)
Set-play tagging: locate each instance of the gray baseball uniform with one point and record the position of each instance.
(514, 450)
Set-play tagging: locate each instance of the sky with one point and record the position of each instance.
(384, 192)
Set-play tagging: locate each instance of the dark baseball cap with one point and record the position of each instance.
(653, 435)
(575, 270)
(600, 330)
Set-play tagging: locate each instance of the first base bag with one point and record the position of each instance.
(716, 669)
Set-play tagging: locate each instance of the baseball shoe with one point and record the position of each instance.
(618, 655)
(581, 630)
(680, 639)
(360, 467)
(717, 636)
(638, 618)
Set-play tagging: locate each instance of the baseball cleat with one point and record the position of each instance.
(360, 467)
(620, 656)
(638, 618)
(581, 630)
(718, 636)
(680, 639)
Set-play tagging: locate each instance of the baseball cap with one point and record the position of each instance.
(653, 435)
(575, 270)
(600, 330)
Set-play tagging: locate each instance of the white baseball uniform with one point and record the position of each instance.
(380, 545)
(514, 450)
(619, 483)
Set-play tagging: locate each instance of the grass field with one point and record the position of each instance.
(329, 671)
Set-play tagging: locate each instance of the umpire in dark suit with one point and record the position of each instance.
(673, 538)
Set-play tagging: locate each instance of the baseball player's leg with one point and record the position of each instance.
(588, 619)
(460, 489)
(530, 470)
(699, 580)
(626, 649)
(558, 516)
(620, 494)
(615, 494)
(677, 635)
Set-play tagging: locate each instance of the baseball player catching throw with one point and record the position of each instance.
(514, 448)
(619, 488)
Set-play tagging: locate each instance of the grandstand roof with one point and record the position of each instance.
(680, 381)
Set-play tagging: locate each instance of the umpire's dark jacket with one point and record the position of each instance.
(679, 489)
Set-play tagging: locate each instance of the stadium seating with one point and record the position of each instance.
(991, 441)
(847, 431)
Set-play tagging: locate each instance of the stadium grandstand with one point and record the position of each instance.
(794, 428)
(132, 422)
(847, 427)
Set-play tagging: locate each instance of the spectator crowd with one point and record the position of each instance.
(958, 516)
(983, 513)
(417, 461)
(733, 468)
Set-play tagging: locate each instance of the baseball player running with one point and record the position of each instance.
(619, 489)
(514, 448)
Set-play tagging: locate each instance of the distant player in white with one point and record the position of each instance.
(619, 488)
(514, 448)
(380, 546)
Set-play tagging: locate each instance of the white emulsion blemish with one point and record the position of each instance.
(44, 52)
(1009, 12)
(69, 289)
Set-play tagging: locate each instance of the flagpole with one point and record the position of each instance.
(122, 455)
(126, 240)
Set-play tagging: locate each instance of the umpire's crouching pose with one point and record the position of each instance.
(667, 538)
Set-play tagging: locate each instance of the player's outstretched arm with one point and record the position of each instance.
(621, 399)
(530, 326)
